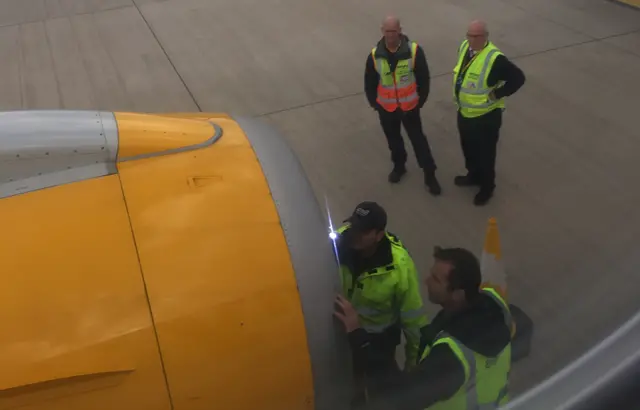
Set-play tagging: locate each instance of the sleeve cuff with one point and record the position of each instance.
(359, 338)
(499, 93)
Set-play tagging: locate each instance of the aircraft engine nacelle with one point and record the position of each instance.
(167, 261)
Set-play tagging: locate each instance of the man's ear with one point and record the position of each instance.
(459, 295)
(380, 235)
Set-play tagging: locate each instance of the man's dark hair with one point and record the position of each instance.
(465, 273)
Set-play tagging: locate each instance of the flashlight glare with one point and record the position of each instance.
(332, 234)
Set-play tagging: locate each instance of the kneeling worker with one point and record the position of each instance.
(465, 353)
(381, 283)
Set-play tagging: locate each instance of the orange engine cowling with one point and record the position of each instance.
(175, 261)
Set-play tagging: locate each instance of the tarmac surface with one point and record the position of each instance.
(568, 191)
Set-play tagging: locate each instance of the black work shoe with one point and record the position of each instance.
(483, 197)
(396, 175)
(431, 181)
(464, 180)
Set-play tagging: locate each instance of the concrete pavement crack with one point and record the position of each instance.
(175, 69)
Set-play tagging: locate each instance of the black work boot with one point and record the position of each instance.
(483, 196)
(396, 174)
(431, 181)
(464, 180)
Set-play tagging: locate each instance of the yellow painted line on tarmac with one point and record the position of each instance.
(632, 3)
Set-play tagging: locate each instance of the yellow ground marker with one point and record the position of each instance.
(632, 3)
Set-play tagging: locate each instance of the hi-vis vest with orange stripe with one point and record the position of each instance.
(397, 89)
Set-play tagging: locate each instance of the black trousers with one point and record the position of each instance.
(391, 125)
(374, 373)
(479, 140)
(375, 382)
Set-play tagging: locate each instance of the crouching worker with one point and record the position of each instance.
(465, 352)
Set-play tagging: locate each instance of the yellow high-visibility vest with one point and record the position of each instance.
(473, 99)
(486, 379)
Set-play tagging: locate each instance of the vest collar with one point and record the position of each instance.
(481, 326)
(484, 49)
(381, 258)
(403, 52)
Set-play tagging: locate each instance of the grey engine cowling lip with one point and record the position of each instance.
(312, 256)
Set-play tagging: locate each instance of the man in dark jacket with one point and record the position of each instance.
(480, 105)
(396, 83)
(379, 278)
(470, 315)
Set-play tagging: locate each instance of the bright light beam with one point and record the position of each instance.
(332, 233)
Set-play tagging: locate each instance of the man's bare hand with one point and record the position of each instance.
(348, 316)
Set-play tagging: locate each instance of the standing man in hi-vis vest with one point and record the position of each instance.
(380, 281)
(396, 83)
(464, 358)
(482, 78)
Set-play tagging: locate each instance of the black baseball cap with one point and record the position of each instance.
(366, 216)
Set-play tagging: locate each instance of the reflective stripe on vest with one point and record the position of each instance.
(397, 88)
(473, 99)
(467, 396)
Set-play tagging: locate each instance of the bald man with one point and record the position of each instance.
(483, 78)
(396, 83)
